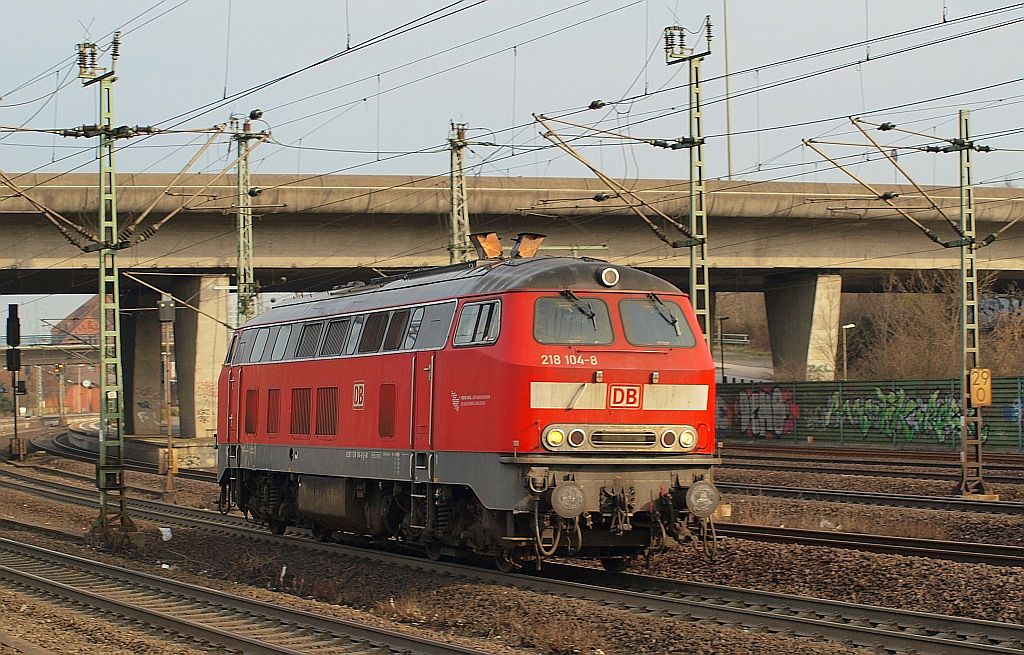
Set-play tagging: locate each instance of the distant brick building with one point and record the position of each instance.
(81, 381)
(83, 323)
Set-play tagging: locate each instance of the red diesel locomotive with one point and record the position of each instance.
(519, 408)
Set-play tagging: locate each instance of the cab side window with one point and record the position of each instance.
(479, 324)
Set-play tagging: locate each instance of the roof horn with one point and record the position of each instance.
(487, 245)
(526, 244)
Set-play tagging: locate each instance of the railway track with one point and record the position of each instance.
(873, 498)
(892, 630)
(53, 443)
(919, 458)
(770, 464)
(977, 553)
(199, 614)
(958, 551)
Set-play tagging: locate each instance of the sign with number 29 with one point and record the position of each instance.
(981, 387)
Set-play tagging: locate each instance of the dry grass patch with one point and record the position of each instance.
(405, 609)
(556, 636)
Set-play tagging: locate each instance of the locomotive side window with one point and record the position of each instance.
(334, 341)
(437, 321)
(396, 329)
(414, 328)
(353, 335)
(300, 411)
(569, 319)
(373, 332)
(479, 323)
(271, 343)
(244, 347)
(308, 340)
(654, 322)
(273, 410)
(231, 349)
(259, 344)
(281, 343)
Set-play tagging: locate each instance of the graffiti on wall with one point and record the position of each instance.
(1015, 411)
(858, 411)
(766, 412)
(896, 415)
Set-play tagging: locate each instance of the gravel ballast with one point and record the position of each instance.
(493, 617)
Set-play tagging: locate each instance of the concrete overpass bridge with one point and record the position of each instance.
(801, 244)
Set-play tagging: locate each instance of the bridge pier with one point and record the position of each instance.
(200, 346)
(803, 323)
(142, 367)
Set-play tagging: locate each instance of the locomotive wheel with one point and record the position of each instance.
(616, 564)
(320, 533)
(504, 563)
(278, 527)
(432, 547)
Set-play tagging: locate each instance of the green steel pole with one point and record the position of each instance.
(110, 469)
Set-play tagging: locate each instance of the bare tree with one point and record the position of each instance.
(913, 332)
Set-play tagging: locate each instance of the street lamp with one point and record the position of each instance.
(846, 327)
(721, 343)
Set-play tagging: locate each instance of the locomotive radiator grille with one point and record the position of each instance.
(623, 438)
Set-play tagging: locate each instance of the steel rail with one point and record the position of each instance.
(861, 625)
(822, 466)
(958, 551)
(729, 606)
(229, 620)
(954, 504)
(865, 455)
(967, 552)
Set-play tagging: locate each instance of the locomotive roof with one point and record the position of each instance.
(469, 279)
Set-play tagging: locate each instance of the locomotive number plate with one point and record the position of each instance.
(568, 360)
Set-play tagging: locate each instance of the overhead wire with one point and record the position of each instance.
(368, 163)
(71, 58)
(400, 30)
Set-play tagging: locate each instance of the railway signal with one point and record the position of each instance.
(13, 365)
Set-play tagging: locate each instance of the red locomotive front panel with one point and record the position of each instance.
(519, 408)
(555, 370)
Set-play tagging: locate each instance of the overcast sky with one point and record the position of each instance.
(492, 64)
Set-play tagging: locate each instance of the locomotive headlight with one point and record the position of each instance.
(668, 438)
(554, 438)
(687, 437)
(609, 277)
(577, 437)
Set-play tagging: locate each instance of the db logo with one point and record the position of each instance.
(624, 396)
(358, 395)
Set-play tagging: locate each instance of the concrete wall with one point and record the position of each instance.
(803, 323)
(200, 346)
(141, 345)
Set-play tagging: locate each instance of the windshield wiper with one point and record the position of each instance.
(582, 306)
(664, 313)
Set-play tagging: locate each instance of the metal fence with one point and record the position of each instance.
(902, 414)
